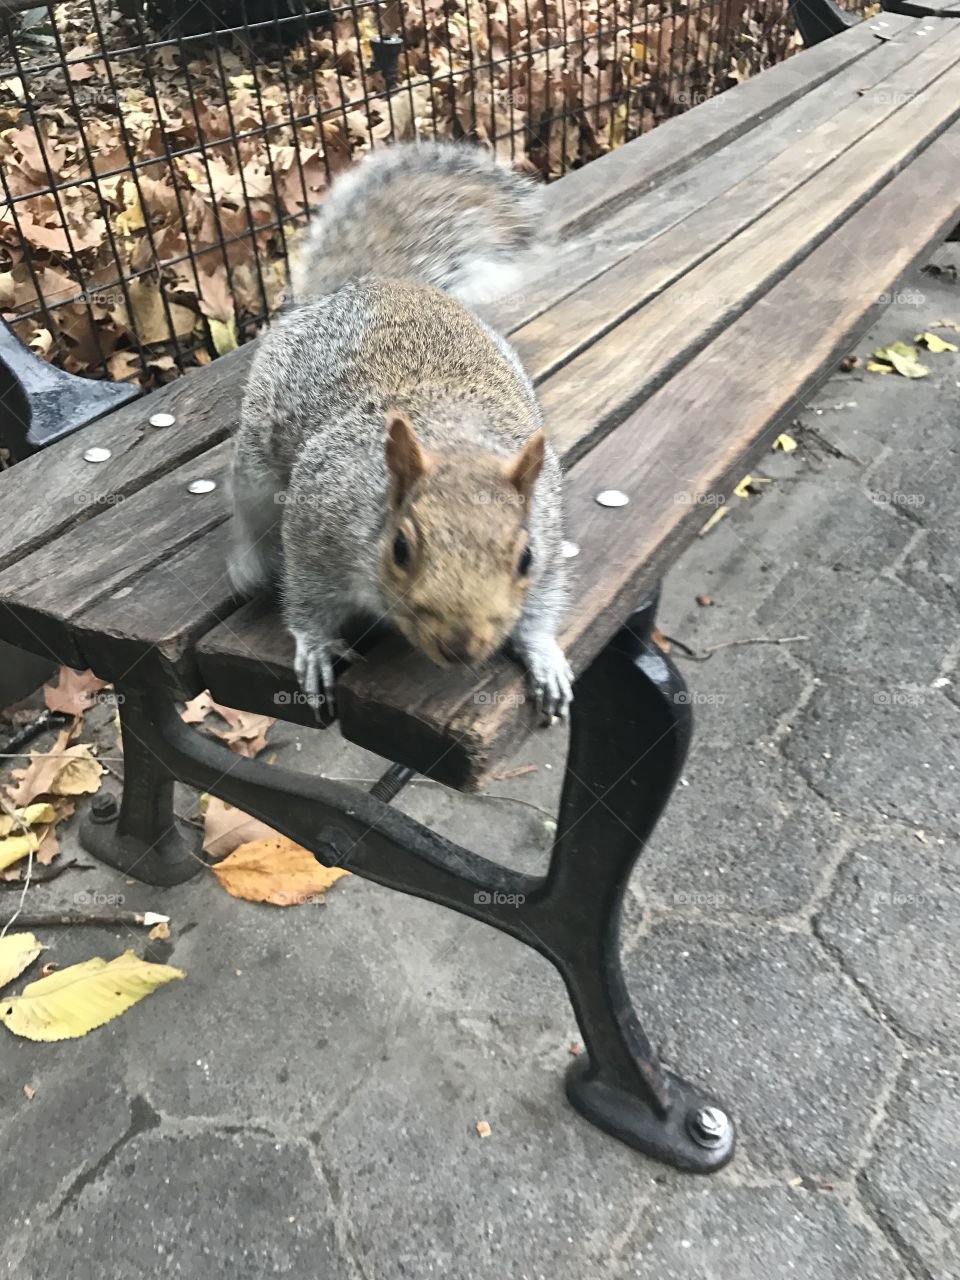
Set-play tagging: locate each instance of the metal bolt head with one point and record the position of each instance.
(104, 806)
(612, 498)
(162, 420)
(708, 1126)
(96, 454)
(201, 486)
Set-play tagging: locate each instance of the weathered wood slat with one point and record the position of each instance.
(596, 389)
(42, 591)
(581, 257)
(623, 175)
(692, 437)
(897, 71)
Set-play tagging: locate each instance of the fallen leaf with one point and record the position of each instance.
(277, 871)
(132, 218)
(15, 848)
(483, 1129)
(17, 951)
(874, 366)
(160, 932)
(518, 771)
(935, 344)
(29, 1092)
(75, 1000)
(714, 519)
(247, 730)
(74, 691)
(226, 828)
(785, 442)
(224, 335)
(904, 359)
(63, 771)
(34, 815)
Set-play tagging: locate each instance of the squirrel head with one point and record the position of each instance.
(456, 560)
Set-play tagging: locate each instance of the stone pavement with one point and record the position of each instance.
(304, 1105)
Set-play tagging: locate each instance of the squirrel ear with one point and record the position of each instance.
(523, 470)
(407, 460)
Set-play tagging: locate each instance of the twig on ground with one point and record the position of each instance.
(48, 873)
(45, 919)
(26, 733)
(711, 649)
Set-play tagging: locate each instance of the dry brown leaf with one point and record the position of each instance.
(246, 733)
(63, 771)
(74, 691)
(276, 871)
(226, 828)
(160, 932)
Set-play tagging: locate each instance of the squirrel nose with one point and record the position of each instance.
(458, 647)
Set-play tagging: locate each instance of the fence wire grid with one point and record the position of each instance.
(158, 160)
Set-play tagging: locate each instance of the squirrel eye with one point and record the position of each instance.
(526, 559)
(401, 550)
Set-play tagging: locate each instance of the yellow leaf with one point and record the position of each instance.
(32, 816)
(785, 442)
(80, 776)
(935, 344)
(17, 950)
(275, 870)
(73, 1001)
(224, 335)
(714, 519)
(874, 366)
(132, 218)
(13, 848)
(903, 357)
(743, 488)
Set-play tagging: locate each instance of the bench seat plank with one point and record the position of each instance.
(594, 390)
(883, 84)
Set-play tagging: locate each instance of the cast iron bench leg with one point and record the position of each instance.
(629, 734)
(630, 730)
(141, 836)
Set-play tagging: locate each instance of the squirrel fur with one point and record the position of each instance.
(390, 462)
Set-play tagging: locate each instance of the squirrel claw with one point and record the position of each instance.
(313, 664)
(551, 682)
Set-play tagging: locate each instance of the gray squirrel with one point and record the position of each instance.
(390, 462)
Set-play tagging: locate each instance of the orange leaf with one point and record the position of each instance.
(276, 870)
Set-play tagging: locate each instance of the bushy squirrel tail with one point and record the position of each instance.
(433, 213)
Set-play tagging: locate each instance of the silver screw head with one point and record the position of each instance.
(612, 498)
(96, 454)
(709, 1126)
(569, 550)
(162, 420)
(201, 486)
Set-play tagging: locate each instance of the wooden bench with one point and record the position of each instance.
(710, 275)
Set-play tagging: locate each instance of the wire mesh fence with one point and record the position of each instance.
(159, 160)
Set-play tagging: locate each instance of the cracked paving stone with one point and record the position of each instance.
(901, 640)
(870, 748)
(744, 835)
(277, 1037)
(79, 1111)
(913, 1174)
(726, 1233)
(541, 1196)
(210, 1204)
(764, 1020)
(894, 916)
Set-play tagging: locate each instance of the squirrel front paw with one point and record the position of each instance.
(548, 674)
(313, 663)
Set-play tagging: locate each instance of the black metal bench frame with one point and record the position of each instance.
(630, 729)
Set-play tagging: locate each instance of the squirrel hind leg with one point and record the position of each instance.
(254, 561)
